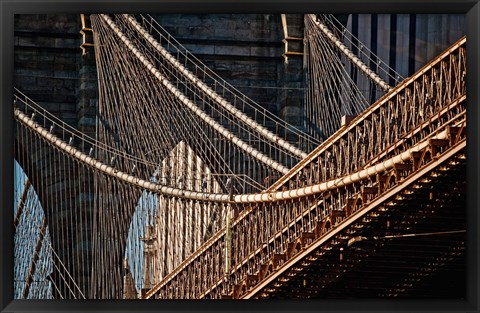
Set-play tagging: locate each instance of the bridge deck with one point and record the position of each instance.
(262, 265)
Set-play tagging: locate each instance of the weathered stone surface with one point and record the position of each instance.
(50, 106)
(265, 51)
(292, 113)
(59, 23)
(45, 42)
(86, 121)
(66, 43)
(200, 49)
(232, 50)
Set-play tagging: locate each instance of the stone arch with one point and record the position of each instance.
(163, 208)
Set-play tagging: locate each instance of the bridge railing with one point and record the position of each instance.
(416, 113)
(270, 234)
(419, 99)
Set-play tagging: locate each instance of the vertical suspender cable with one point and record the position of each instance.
(348, 53)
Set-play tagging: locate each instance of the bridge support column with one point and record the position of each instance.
(87, 105)
(292, 75)
(86, 110)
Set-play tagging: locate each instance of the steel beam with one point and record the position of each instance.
(357, 215)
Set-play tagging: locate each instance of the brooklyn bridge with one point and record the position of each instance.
(338, 170)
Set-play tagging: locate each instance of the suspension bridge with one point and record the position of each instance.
(189, 189)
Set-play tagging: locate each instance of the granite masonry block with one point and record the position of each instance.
(265, 71)
(40, 41)
(82, 104)
(191, 32)
(70, 121)
(266, 51)
(30, 72)
(70, 84)
(200, 49)
(68, 93)
(24, 55)
(87, 70)
(65, 67)
(88, 93)
(292, 114)
(50, 106)
(66, 43)
(58, 97)
(87, 104)
(50, 82)
(222, 33)
(46, 57)
(87, 112)
(87, 121)
(64, 22)
(68, 107)
(25, 80)
(66, 74)
(29, 65)
(232, 50)
(90, 85)
(174, 20)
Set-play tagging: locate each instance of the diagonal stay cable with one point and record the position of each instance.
(187, 102)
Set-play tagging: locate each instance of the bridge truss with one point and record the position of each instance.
(216, 228)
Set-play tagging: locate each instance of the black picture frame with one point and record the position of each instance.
(7, 10)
